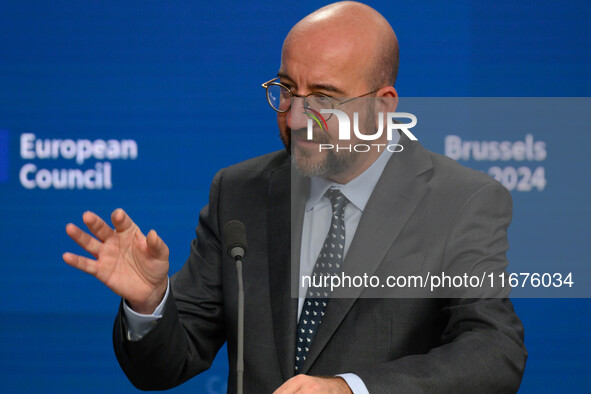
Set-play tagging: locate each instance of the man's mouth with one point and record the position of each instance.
(301, 138)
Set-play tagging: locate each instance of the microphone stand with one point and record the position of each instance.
(240, 351)
(235, 235)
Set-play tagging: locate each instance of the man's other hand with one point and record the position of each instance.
(312, 384)
(132, 265)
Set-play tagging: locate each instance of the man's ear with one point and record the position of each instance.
(387, 99)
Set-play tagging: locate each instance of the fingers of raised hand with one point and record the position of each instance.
(97, 226)
(121, 220)
(82, 263)
(85, 240)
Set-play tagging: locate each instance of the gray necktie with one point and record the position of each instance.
(328, 264)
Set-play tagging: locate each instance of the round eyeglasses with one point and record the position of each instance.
(280, 97)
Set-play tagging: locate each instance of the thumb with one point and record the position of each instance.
(156, 246)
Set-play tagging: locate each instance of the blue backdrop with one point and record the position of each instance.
(172, 89)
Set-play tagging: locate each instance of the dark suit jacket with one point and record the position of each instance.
(426, 212)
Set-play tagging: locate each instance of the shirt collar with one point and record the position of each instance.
(359, 189)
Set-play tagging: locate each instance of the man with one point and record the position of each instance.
(405, 210)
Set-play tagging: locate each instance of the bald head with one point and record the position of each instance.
(345, 49)
(356, 31)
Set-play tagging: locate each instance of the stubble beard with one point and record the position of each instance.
(326, 164)
(330, 164)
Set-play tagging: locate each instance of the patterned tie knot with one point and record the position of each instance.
(337, 200)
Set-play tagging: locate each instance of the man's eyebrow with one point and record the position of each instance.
(283, 75)
(315, 87)
(328, 88)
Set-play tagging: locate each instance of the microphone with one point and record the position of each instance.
(235, 239)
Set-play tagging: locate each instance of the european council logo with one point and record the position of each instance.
(3, 156)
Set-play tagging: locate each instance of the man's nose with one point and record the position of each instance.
(296, 116)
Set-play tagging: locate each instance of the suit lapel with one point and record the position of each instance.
(392, 202)
(284, 248)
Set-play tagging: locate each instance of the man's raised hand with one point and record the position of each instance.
(132, 265)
